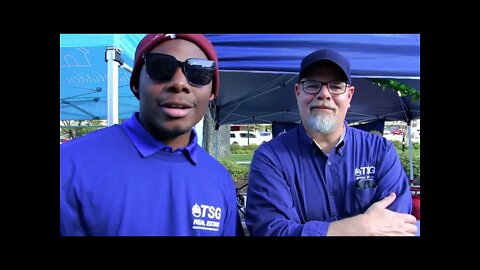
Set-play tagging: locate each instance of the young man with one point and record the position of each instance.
(324, 177)
(148, 176)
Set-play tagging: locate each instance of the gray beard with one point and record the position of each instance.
(322, 124)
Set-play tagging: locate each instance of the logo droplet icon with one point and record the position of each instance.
(196, 211)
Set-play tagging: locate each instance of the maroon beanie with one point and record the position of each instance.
(150, 41)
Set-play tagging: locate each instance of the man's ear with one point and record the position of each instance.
(297, 89)
(351, 90)
(135, 90)
(211, 97)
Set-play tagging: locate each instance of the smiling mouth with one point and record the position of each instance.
(176, 106)
(176, 110)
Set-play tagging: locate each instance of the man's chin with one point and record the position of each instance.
(323, 125)
(172, 131)
(176, 131)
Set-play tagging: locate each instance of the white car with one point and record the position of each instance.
(266, 135)
(246, 138)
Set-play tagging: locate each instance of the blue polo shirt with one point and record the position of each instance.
(121, 181)
(294, 189)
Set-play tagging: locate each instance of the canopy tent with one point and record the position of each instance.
(84, 75)
(371, 55)
(258, 72)
(271, 98)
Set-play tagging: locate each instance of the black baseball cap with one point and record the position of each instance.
(326, 55)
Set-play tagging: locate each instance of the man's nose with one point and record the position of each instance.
(179, 81)
(323, 93)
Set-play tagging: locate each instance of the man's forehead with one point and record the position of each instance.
(179, 47)
(324, 68)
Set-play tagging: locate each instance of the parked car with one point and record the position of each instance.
(246, 138)
(266, 135)
(397, 131)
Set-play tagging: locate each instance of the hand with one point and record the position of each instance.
(383, 222)
(376, 221)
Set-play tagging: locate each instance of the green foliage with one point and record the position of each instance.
(234, 148)
(401, 88)
(248, 149)
(74, 129)
(260, 127)
(398, 145)
(251, 147)
(238, 172)
(405, 158)
(240, 157)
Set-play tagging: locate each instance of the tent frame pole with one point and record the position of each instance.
(113, 59)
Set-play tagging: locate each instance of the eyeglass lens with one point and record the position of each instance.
(162, 67)
(334, 87)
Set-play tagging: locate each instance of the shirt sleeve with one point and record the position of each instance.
(269, 207)
(392, 178)
(70, 221)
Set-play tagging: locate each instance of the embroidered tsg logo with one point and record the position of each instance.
(366, 172)
(207, 217)
(364, 177)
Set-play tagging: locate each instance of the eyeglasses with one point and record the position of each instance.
(334, 87)
(162, 67)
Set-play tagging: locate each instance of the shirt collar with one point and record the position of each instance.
(147, 145)
(340, 142)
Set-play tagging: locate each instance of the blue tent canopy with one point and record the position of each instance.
(370, 55)
(271, 98)
(83, 75)
(257, 74)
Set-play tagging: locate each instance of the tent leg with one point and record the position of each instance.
(112, 55)
(409, 126)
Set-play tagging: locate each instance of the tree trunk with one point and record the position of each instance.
(215, 142)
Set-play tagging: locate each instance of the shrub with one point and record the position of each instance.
(397, 144)
(234, 148)
(248, 149)
(405, 158)
(251, 148)
(238, 172)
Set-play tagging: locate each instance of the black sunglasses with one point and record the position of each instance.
(162, 67)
